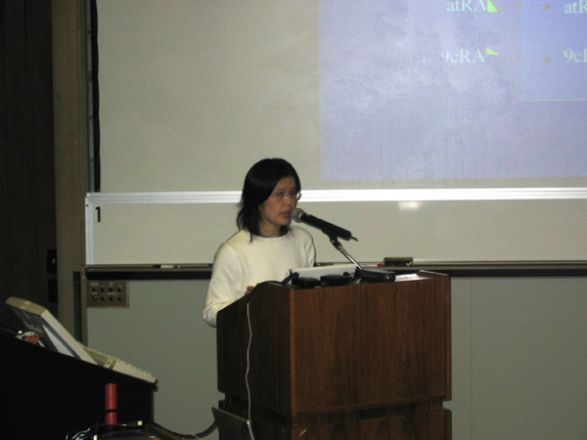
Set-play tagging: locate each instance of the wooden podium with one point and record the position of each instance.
(360, 361)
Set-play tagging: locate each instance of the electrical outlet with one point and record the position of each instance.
(105, 293)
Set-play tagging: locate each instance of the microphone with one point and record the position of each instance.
(329, 229)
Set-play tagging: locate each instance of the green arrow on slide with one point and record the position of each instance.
(491, 52)
(490, 7)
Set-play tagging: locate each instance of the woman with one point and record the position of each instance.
(266, 245)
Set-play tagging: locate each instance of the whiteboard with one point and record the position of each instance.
(395, 135)
(472, 226)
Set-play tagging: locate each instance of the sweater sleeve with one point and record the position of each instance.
(224, 283)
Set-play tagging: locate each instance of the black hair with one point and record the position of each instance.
(258, 186)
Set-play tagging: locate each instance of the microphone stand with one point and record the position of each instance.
(371, 274)
(334, 240)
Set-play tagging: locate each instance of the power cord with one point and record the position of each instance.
(94, 432)
(248, 386)
(206, 432)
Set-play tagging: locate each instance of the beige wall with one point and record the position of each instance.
(519, 357)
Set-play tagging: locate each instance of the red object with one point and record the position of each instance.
(110, 404)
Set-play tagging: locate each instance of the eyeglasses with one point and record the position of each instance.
(291, 195)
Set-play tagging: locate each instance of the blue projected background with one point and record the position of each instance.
(453, 90)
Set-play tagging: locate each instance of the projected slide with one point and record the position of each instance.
(450, 90)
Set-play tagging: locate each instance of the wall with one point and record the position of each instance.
(162, 332)
(518, 353)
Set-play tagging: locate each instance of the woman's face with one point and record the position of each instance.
(276, 211)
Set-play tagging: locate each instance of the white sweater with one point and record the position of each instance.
(240, 263)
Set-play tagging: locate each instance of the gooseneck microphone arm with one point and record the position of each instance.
(370, 274)
(343, 251)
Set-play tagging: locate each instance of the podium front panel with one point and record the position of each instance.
(333, 349)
